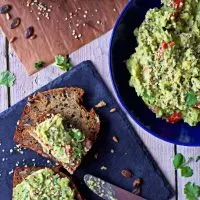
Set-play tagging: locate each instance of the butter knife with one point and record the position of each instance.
(108, 191)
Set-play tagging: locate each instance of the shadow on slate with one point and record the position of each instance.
(129, 153)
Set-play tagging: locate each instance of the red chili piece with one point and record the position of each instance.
(174, 118)
(163, 46)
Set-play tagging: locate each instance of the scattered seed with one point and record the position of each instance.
(5, 9)
(113, 110)
(12, 39)
(15, 23)
(8, 16)
(33, 37)
(96, 155)
(126, 173)
(104, 168)
(136, 191)
(101, 104)
(116, 139)
(137, 182)
(29, 32)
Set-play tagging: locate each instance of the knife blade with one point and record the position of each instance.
(108, 191)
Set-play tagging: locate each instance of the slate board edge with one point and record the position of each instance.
(89, 64)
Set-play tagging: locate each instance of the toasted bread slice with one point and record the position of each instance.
(21, 173)
(64, 101)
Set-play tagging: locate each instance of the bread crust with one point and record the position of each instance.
(65, 101)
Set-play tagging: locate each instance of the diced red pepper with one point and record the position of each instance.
(177, 3)
(163, 46)
(174, 118)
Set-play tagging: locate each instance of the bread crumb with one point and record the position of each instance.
(101, 104)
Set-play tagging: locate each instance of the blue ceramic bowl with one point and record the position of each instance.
(123, 44)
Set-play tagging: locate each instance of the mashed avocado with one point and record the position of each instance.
(64, 145)
(43, 184)
(165, 69)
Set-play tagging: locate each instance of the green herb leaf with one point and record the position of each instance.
(191, 98)
(7, 78)
(39, 65)
(192, 191)
(77, 135)
(178, 161)
(198, 158)
(186, 171)
(63, 62)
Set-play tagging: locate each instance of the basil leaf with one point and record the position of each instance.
(192, 191)
(7, 78)
(186, 171)
(191, 98)
(178, 160)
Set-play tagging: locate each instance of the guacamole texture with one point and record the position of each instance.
(66, 145)
(43, 184)
(165, 69)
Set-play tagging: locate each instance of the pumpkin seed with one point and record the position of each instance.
(15, 23)
(29, 32)
(5, 9)
(126, 173)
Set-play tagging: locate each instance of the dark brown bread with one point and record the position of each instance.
(68, 103)
(21, 173)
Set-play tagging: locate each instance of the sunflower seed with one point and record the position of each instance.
(15, 23)
(12, 39)
(8, 16)
(5, 9)
(29, 32)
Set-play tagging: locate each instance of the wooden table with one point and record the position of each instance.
(97, 51)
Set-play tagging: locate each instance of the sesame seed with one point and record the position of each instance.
(79, 35)
(3, 150)
(114, 10)
(11, 150)
(84, 24)
(96, 10)
(98, 22)
(86, 12)
(48, 161)
(38, 18)
(84, 16)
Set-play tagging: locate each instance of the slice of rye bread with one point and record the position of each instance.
(68, 103)
(21, 173)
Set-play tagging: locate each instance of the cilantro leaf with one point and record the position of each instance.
(198, 158)
(191, 98)
(192, 191)
(186, 171)
(63, 62)
(7, 78)
(39, 65)
(178, 160)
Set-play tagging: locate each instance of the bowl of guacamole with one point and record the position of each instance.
(155, 67)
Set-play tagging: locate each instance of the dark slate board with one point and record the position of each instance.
(129, 153)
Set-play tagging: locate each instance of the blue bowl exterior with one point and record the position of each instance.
(122, 45)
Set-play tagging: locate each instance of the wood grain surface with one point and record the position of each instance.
(66, 26)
